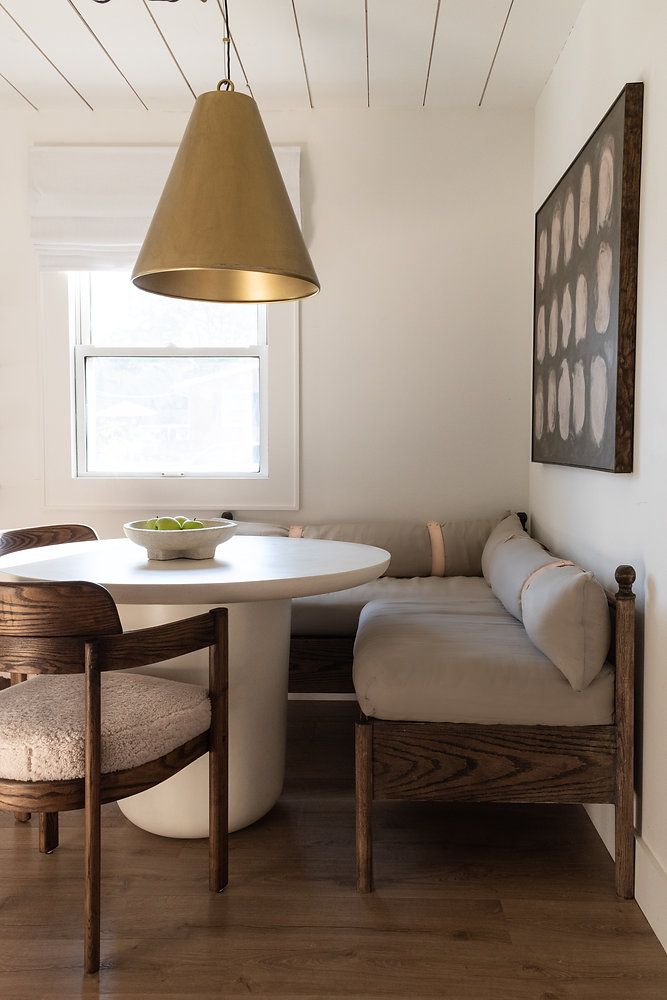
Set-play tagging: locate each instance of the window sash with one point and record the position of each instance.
(79, 289)
(84, 351)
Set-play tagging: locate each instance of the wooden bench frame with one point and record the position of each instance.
(459, 762)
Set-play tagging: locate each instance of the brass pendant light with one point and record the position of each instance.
(224, 229)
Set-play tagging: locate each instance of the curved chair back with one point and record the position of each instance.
(45, 534)
(44, 626)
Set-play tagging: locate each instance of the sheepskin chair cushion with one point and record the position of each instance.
(42, 723)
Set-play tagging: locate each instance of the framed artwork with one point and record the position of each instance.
(585, 306)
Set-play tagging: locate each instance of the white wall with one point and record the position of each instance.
(598, 518)
(415, 356)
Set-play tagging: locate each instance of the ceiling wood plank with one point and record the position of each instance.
(266, 34)
(30, 71)
(60, 33)
(465, 42)
(126, 30)
(534, 37)
(334, 46)
(399, 46)
(194, 33)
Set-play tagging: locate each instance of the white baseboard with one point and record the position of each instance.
(650, 876)
(651, 890)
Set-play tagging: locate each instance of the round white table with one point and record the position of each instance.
(254, 576)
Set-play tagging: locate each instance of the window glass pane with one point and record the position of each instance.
(124, 316)
(173, 415)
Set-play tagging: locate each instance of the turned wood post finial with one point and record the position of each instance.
(625, 577)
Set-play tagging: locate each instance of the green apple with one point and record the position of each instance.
(152, 523)
(181, 519)
(194, 523)
(167, 524)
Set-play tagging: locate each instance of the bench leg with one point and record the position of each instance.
(48, 832)
(625, 829)
(364, 805)
(625, 685)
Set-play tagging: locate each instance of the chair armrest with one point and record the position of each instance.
(151, 645)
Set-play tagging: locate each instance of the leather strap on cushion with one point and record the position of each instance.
(437, 548)
(536, 572)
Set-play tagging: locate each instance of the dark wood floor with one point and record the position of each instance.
(472, 903)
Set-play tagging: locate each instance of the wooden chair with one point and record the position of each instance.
(74, 628)
(461, 762)
(45, 534)
(34, 538)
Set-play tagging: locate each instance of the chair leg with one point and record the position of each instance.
(364, 804)
(92, 815)
(92, 887)
(218, 867)
(48, 832)
(20, 817)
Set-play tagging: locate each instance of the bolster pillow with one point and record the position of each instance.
(407, 542)
(509, 527)
(566, 615)
(509, 558)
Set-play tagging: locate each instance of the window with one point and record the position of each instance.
(166, 387)
(152, 402)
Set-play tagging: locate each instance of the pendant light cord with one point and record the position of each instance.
(227, 41)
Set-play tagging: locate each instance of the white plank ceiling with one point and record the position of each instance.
(158, 55)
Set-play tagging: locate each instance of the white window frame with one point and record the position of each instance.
(82, 336)
(68, 484)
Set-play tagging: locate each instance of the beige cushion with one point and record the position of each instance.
(432, 663)
(262, 528)
(42, 723)
(407, 542)
(464, 544)
(566, 615)
(511, 565)
(338, 614)
(505, 529)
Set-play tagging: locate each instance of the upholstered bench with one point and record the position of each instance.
(430, 561)
(514, 687)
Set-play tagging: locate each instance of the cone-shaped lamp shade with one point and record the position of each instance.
(224, 229)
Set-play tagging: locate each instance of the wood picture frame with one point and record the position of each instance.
(585, 299)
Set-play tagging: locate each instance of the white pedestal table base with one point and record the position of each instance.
(259, 638)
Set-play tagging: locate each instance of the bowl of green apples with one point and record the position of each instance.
(180, 537)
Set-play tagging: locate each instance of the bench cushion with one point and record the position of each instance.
(42, 723)
(338, 614)
(435, 662)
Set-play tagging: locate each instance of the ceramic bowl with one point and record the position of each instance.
(191, 543)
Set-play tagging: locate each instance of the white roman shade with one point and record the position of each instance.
(91, 205)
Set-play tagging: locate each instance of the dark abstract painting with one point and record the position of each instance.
(586, 240)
